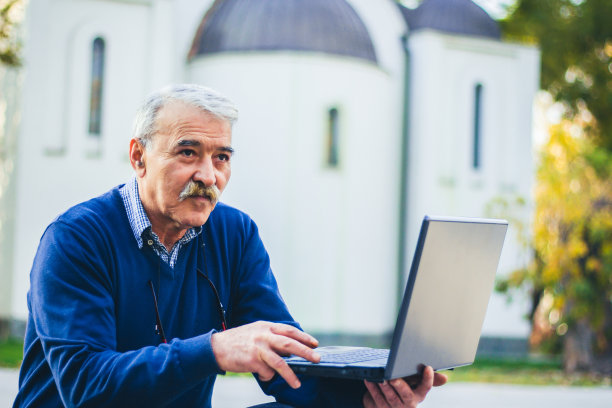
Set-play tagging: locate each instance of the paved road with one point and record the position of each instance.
(239, 392)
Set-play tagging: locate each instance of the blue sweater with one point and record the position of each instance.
(91, 339)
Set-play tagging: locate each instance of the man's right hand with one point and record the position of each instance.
(258, 347)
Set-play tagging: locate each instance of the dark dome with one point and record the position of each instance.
(329, 26)
(452, 16)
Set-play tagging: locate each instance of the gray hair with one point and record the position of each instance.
(195, 95)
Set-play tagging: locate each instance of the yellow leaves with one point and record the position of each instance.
(573, 226)
(576, 248)
(594, 264)
(572, 235)
(608, 48)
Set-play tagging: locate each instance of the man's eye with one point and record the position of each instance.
(187, 153)
(224, 157)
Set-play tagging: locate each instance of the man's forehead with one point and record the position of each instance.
(182, 123)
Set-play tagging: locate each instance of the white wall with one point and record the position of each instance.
(188, 15)
(331, 233)
(445, 71)
(386, 27)
(10, 104)
(59, 163)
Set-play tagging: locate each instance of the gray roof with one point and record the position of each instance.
(452, 16)
(328, 26)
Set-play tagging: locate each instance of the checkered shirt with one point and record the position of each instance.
(141, 226)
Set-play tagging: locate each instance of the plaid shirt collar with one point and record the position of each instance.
(141, 226)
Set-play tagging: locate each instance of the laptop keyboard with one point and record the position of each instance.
(352, 356)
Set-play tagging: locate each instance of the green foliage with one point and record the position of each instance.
(575, 37)
(572, 237)
(573, 230)
(11, 12)
(11, 353)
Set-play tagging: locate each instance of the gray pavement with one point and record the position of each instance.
(239, 392)
(8, 386)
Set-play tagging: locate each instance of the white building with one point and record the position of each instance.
(357, 118)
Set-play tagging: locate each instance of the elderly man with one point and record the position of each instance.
(143, 295)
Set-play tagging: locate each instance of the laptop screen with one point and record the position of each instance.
(446, 298)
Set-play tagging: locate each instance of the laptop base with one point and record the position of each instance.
(359, 363)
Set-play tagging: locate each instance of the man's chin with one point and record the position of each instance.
(194, 211)
(198, 218)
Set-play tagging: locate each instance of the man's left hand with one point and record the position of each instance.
(398, 393)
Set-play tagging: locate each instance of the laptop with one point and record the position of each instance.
(443, 308)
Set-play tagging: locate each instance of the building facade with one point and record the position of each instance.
(358, 117)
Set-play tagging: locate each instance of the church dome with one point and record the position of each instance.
(328, 26)
(452, 16)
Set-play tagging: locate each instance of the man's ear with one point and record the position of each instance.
(137, 157)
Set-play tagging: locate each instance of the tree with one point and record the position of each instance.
(10, 47)
(571, 276)
(575, 37)
(572, 271)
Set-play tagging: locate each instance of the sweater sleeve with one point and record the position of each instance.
(71, 301)
(258, 298)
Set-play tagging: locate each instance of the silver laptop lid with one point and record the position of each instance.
(446, 298)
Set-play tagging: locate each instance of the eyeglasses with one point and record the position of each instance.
(158, 325)
(221, 309)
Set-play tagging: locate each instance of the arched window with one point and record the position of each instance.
(477, 137)
(96, 86)
(333, 148)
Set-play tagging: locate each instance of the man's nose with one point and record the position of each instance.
(206, 173)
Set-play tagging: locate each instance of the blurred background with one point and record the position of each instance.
(358, 117)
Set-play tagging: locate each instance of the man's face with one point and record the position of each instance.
(189, 146)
